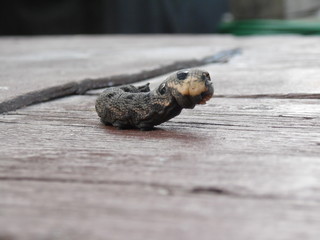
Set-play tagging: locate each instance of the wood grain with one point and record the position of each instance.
(31, 65)
(232, 169)
(244, 166)
(84, 85)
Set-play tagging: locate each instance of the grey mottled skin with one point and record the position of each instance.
(138, 107)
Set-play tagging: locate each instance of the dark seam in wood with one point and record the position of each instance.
(60, 125)
(244, 194)
(212, 190)
(83, 181)
(71, 125)
(170, 190)
(186, 126)
(10, 122)
(38, 96)
(36, 114)
(294, 127)
(89, 84)
(276, 96)
(209, 124)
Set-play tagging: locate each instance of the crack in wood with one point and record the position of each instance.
(209, 124)
(55, 125)
(170, 190)
(83, 86)
(87, 181)
(243, 193)
(165, 189)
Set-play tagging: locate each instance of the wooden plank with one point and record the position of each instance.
(283, 66)
(38, 210)
(233, 169)
(268, 65)
(83, 86)
(236, 168)
(32, 64)
(38, 69)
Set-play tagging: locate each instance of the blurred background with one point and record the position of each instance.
(239, 17)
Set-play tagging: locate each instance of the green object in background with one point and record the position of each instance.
(265, 27)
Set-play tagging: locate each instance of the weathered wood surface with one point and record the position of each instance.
(236, 168)
(47, 68)
(270, 65)
(232, 169)
(45, 62)
(82, 86)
